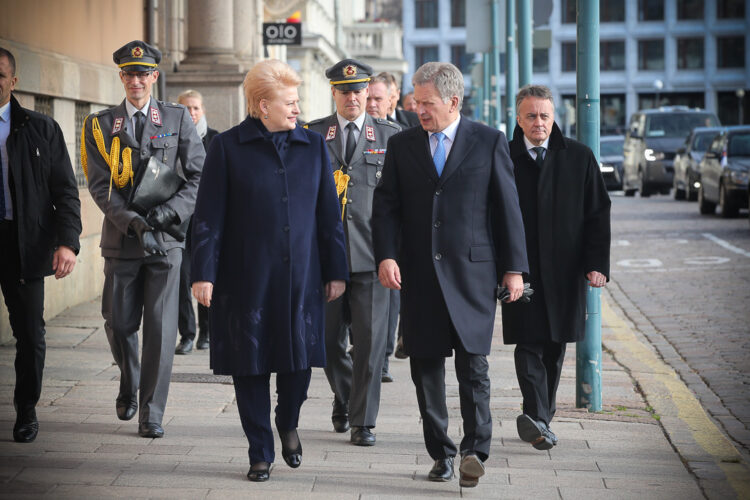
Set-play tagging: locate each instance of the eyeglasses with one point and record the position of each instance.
(132, 75)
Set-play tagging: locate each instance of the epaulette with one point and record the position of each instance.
(172, 104)
(383, 121)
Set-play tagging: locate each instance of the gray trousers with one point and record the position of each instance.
(355, 379)
(147, 287)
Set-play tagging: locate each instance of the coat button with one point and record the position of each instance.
(281, 170)
(437, 223)
(438, 256)
(378, 174)
(437, 193)
(286, 229)
(284, 199)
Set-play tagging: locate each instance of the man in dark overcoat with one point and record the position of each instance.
(565, 209)
(448, 195)
(357, 147)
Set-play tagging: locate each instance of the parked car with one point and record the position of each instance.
(610, 160)
(651, 141)
(687, 176)
(725, 169)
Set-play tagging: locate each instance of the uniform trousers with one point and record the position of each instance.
(428, 375)
(538, 368)
(145, 287)
(254, 404)
(355, 379)
(25, 301)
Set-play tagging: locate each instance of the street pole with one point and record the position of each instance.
(589, 351)
(525, 59)
(510, 66)
(495, 85)
(486, 108)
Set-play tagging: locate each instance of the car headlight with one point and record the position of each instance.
(739, 176)
(652, 155)
(604, 168)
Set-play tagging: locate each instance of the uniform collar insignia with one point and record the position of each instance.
(331, 135)
(117, 125)
(370, 133)
(155, 116)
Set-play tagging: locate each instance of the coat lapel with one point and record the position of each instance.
(461, 146)
(422, 152)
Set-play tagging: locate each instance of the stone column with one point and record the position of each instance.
(248, 24)
(210, 36)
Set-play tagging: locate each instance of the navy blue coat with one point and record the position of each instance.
(267, 233)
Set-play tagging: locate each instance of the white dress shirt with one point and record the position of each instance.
(131, 115)
(450, 137)
(343, 122)
(530, 147)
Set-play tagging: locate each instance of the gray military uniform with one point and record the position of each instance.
(137, 284)
(364, 306)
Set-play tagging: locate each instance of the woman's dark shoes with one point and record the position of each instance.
(291, 448)
(259, 472)
(534, 432)
(150, 430)
(126, 406)
(26, 428)
(442, 470)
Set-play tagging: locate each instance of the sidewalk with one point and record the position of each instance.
(84, 451)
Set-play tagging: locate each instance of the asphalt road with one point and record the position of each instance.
(686, 278)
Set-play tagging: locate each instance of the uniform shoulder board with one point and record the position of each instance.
(172, 104)
(383, 121)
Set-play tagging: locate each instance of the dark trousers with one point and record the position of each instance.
(25, 302)
(428, 375)
(394, 307)
(538, 368)
(186, 318)
(254, 404)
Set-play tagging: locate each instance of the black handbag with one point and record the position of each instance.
(156, 184)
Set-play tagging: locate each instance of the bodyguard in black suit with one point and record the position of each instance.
(448, 195)
(565, 209)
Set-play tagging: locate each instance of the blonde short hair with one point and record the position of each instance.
(188, 94)
(264, 79)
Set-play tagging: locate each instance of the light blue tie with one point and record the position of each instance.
(439, 157)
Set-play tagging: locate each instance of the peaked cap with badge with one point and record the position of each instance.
(137, 56)
(349, 74)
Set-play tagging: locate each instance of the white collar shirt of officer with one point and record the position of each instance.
(343, 122)
(132, 110)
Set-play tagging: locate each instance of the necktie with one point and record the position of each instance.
(2, 190)
(539, 155)
(351, 142)
(438, 158)
(140, 118)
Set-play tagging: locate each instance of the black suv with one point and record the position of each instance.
(651, 142)
(725, 172)
(687, 174)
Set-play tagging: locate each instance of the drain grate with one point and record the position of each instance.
(201, 378)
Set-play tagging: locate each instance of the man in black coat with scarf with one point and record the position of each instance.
(565, 208)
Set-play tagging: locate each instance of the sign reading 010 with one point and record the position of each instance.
(282, 33)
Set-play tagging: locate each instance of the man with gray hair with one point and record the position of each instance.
(565, 209)
(447, 231)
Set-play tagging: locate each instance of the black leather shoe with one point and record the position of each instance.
(26, 428)
(150, 430)
(471, 469)
(386, 377)
(259, 472)
(292, 456)
(340, 417)
(442, 470)
(399, 353)
(533, 432)
(184, 347)
(202, 342)
(362, 436)
(126, 406)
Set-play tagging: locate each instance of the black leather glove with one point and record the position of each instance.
(145, 235)
(161, 217)
(503, 294)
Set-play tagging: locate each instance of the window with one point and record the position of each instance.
(458, 13)
(730, 9)
(689, 99)
(426, 13)
(731, 108)
(460, 58)
(43, 104)
(540, 62)
(612, 11)
(613, 114)
(650, 10)
(568, 56)
(82, 109)
(425, 54)
(690, 53)
(568, 10)
(651, 54)
(689, 9)
(731, 51)
(612, 55)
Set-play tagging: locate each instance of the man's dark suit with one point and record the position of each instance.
(407, 119)
(449, 227)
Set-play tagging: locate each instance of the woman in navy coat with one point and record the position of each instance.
(268, 251)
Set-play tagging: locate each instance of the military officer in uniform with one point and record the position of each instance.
(356, 143)
(141, 261)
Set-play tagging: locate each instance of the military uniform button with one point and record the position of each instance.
(349, 217)
(438, 256)
(349, 200)
(351, 183)
(378, 174)
(351, 168)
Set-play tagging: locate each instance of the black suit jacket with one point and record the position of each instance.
(407, 119)
(448, 226)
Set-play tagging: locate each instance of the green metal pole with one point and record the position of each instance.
(495, 85)
(511, 86)
(524, 42)
(486, 108)
(589, 351)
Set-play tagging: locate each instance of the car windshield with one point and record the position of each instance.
(702, 141)
(611, 148)
(678, 124)
(739, 144)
